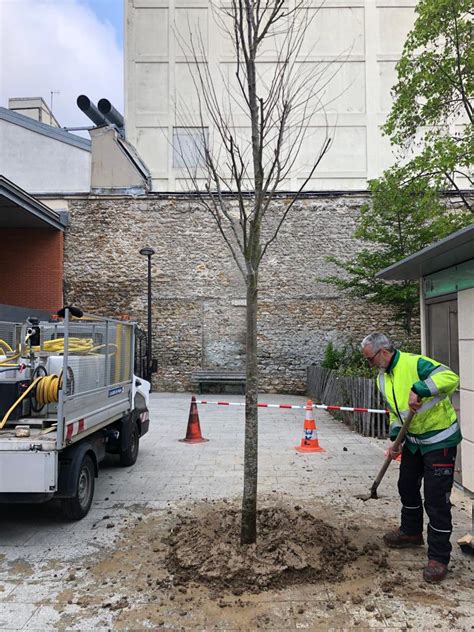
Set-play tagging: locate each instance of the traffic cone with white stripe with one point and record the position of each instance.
(310, 441)
(193, 431)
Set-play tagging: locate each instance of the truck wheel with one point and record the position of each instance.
(78, 506)
(130, 454)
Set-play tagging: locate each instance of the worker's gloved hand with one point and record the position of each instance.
(414, 401)
(395, 454)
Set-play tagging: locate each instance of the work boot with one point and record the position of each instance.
(435, 571)
(399, 540)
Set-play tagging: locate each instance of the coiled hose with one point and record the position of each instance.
(75, 345)
(47, 390)
(48, 386)
(4, 346)
(5, 349)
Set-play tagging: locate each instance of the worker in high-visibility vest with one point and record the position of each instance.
(414, 382)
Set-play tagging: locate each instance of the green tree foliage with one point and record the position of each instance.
(398, 222)
(432, 115)
(431, 124)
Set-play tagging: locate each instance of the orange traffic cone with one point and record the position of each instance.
(193, 432)
(310, 441)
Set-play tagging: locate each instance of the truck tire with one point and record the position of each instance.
(129, 455)
(78, 506)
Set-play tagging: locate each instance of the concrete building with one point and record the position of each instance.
(359, 41)
(43, 167)
(40, 158)
(446, 273)
(116, 167)
(34, 108)
(37, 160)
(50, 162)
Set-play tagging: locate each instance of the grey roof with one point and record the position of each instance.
(15, 314)
(46, 130)
(447, 252)
(18, 209)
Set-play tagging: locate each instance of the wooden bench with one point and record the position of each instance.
(201, 377)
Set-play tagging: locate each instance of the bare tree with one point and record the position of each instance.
(236, 177)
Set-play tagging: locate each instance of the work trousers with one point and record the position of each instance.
(436, 469)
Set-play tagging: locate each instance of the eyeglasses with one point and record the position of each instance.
(371, 358)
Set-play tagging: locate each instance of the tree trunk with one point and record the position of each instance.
(248, 533)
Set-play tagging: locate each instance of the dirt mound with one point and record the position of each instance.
(293, 546)
(182, 568)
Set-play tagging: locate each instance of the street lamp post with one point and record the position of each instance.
(148, 252)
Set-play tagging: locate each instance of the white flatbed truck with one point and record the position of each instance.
(68, 396)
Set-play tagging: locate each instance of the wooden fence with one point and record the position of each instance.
(326, 386)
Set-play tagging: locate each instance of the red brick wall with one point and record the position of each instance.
(31, 267)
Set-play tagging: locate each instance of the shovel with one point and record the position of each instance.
(401, 436)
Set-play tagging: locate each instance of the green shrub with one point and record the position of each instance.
(332, 357)
(353, 362)
(349, 360)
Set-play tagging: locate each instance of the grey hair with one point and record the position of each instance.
(377, 341)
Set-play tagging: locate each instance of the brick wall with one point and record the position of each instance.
(199, 295)
(31, 274)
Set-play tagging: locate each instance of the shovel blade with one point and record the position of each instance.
(365, 497)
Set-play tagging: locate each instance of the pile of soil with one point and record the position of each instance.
(293, 546)
(184, 568)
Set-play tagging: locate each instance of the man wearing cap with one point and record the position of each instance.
(414, 382)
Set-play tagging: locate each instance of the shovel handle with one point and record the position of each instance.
(400, 437)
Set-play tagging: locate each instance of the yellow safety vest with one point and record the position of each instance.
(435, 420)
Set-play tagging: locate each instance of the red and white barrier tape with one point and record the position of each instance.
(348, 409)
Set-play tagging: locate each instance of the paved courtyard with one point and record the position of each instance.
(47, 565)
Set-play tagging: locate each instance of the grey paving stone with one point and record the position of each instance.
(171, 474)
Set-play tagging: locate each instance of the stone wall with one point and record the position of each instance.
(198, 293)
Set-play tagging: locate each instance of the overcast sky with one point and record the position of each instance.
(68, 46)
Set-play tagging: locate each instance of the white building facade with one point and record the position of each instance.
(357, 41)
(42, 159)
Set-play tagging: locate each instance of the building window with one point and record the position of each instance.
(189, 147)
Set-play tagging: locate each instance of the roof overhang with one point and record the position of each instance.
(18, 209)
(447, 252)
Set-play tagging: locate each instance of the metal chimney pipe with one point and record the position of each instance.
(111, 114)
(90, 110)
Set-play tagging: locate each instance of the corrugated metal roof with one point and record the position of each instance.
(44, 129)
(447, 252)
